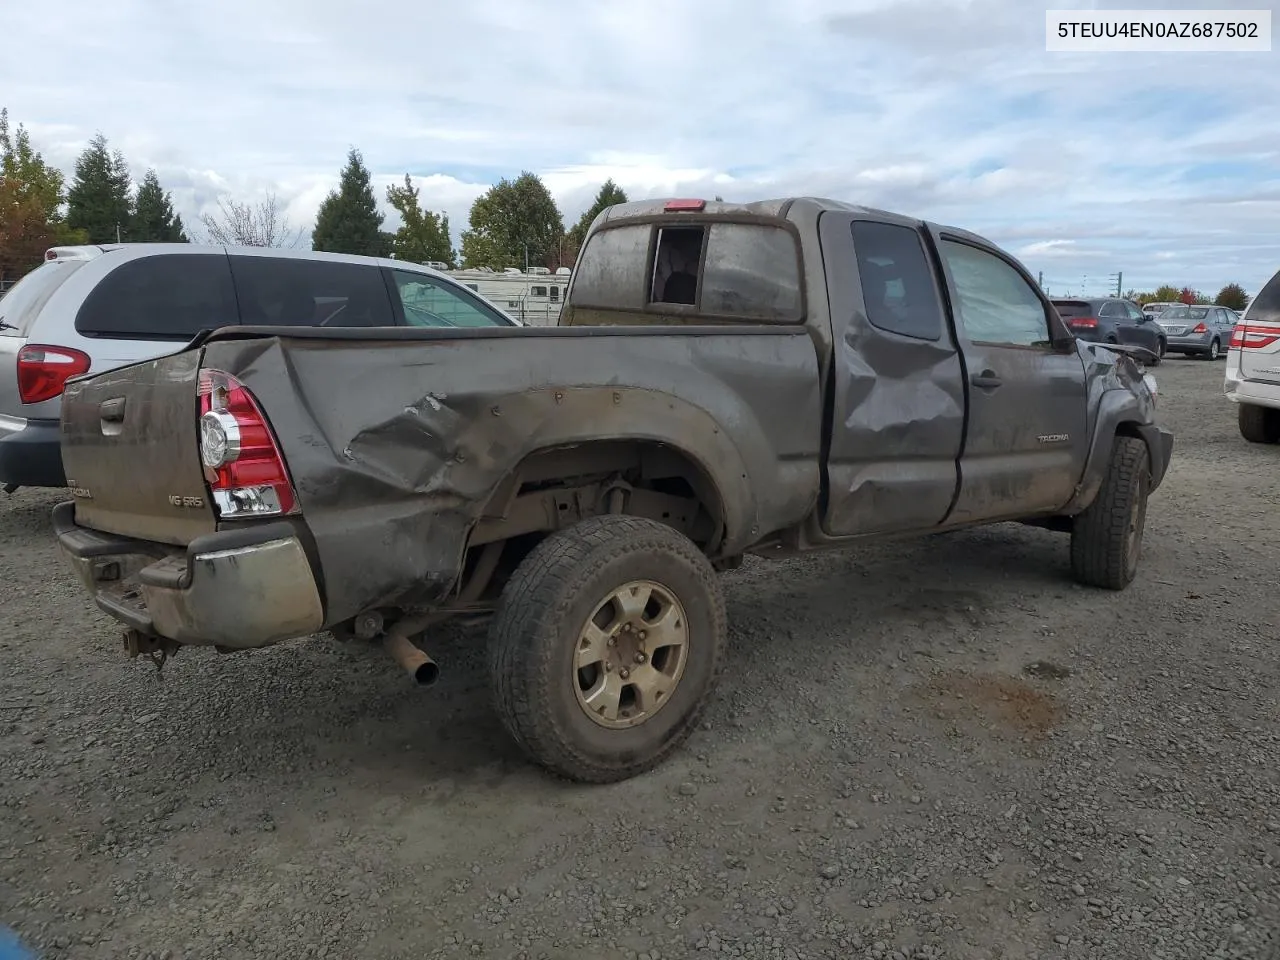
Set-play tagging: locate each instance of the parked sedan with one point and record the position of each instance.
(1112, 320)
(1198, 331)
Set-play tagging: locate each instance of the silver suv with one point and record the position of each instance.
(91, 309)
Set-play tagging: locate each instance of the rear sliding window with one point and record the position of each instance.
(165, 297)
(734, 271)
(284, 291)
(25, 299)
(897, 283)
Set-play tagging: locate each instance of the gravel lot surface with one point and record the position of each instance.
(936, 749)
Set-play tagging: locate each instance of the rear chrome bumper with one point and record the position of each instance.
(239, 589)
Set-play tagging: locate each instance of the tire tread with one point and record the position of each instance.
(1099, 536)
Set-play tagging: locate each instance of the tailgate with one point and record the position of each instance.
(130, 447)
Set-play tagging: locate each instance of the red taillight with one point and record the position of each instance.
(43, 372)
(1199, 328)
(1083, 323)
(694, 206)
(242, 462)
(1244, 337)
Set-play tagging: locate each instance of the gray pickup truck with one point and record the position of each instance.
(768, 378)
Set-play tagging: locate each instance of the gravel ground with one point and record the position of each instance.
(938, 749)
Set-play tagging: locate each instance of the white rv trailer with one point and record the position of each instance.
(533, 298)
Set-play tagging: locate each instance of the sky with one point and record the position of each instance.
(1162, 167)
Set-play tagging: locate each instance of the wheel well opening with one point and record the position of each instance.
(555, 488)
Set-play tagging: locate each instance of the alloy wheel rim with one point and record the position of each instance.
(630, 654)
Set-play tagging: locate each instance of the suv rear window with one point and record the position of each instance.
(170, 296)
(1265, 306)
(716, 269)
(1067, 309)
(25, 299)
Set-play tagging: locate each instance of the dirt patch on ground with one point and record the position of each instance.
(1004, 702)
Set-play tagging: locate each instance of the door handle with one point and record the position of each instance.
(112, 411)
(986, 380)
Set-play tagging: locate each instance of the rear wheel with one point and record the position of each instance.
(606, 646)
(1215, 350)
(1106, 539)
(1259, 424)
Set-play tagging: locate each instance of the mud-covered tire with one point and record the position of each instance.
(535, 634)
(1258, 424)
(1106, 539)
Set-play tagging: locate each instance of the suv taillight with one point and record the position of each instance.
(242, 462)
(43, 371)
(1083, 323)
(1244, 338)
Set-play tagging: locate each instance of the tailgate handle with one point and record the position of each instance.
(112, 411)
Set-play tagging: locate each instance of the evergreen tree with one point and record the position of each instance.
(98, 202)
(153, 218)
(609, 194)
(348, 220)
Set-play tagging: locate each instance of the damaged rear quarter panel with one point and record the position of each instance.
(396, 443)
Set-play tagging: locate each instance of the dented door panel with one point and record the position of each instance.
(898, 407)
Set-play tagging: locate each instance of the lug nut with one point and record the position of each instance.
(613, 641)
(639, 658)
(624, 673)
(642, 634)
(608, 667)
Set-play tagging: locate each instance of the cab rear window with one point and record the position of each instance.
(745, 272)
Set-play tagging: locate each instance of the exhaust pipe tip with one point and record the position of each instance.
(411, 659)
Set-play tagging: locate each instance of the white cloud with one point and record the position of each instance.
(1163, 166)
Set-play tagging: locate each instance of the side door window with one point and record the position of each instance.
(165, 297)
(995, 305)
(427, 303)
(1112, 312)
(299, 292)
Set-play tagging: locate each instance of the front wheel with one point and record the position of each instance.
(606, 646)
(1106, 539)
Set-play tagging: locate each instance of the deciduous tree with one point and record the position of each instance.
(261, 224)
(31, 199)
(348, 220)
(423, 236)
(514, 223)
(1233, 296)
(98, 202)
